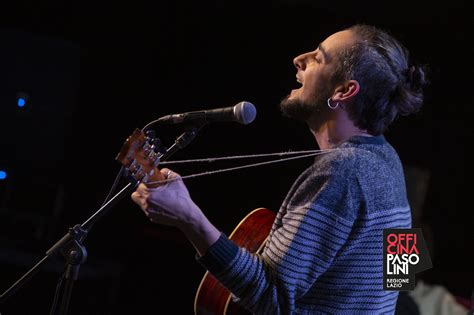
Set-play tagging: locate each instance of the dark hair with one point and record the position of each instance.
(389, 84)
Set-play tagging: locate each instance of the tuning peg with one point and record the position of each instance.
(126, 172)
(158, 146)
(151, 133)
(156, 142)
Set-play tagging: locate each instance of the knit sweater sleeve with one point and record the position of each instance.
(312, 225)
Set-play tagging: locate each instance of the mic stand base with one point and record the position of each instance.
(75, 254)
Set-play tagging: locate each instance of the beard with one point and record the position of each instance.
(299, 110)
(305, 110)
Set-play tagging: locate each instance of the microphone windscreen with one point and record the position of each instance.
(245, 112)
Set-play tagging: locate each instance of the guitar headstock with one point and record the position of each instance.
(140, 155)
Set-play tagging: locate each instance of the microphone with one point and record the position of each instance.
(243, 112)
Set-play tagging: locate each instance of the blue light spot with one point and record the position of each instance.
(3, 175)
(21, 102)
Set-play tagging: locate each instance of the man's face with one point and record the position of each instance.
(314, 73)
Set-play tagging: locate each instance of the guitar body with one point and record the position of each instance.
(211, 297)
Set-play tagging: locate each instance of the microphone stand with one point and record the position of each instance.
(71, 244)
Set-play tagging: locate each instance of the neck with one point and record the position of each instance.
(334, 128)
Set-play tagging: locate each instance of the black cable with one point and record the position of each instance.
(114, 186)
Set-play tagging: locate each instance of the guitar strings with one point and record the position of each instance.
(229, 169)
(235, 157)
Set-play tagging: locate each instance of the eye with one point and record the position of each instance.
(316, 57)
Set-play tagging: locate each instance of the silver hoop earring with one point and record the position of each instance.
(332, 106)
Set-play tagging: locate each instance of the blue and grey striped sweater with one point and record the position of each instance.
(324, 252)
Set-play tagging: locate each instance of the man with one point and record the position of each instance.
(324, 252)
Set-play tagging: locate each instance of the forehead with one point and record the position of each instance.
(338, 41)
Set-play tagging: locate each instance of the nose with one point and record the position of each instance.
(300, 61)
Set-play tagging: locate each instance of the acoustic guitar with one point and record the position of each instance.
(140, 157)
(251, 233)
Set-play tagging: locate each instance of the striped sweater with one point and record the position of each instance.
(325, 250)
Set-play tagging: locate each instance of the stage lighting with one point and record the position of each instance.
(22, 99)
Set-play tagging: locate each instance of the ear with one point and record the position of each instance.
(345, 92)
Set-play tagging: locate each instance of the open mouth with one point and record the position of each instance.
(299, 80)
(299, 84)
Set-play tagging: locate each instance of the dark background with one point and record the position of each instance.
(94, 71)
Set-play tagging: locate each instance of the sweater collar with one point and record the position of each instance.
(367, 140)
